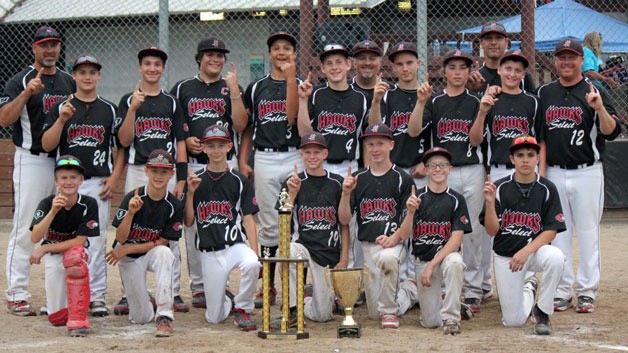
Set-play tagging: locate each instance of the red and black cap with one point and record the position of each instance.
(569, 44)
(402, 47)
(524, 141)
(212, 43)
(84, 60)
(152, 51)
(216, 132)
(458, 54)
(281, 35)
(46, 33)
(381, 130)
(515, 55)
(436, 151)
(69, 162)
(493, 27)
(366, 46)
(160, 158)
(313, 138)
(329, 49)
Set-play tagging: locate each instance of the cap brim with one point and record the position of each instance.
(524, 145)
(275, 37)
(86, 63)
(392, 56)
(466, 59)
(518, 58)
(163, 166)
(569, 50)
(372, 50)
(152, 52)
(445, 154)
(376, 134)
(325, 54)
(47, 40)
(222, 50)
(71, 166)
(313, 143)
(493, 31)
(225, 138)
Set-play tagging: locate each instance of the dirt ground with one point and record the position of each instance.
(604, 330)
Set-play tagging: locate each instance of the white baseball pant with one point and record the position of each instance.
(469, 181)
(54, 283)
(582, 199)
(136, 177)
(517, 300)
(434, 309)
(383, 278)
(33, 179)
(407, 267)
(133, 273)
(216, 267)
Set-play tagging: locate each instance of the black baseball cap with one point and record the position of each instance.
(160, 158)
(84, 60)
(69, 162)
(458, 54)
(515, 55)
(212, 43)
(379, 129)
(402, 47)
(46, 33)
(281, 35)
(333, 49)
(436, 151)
(313, 138)
(152, 51)
(524, 141)
(569, 44)
(493, 27)
(366, 46)
(216, 132)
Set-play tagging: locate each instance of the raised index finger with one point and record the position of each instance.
(137, 87)
(427, 78)
(349, 171)
(591, 89)
(233, 67)
(413, 191)
(296, 171)
(309, 77)
(39, 73)
(137, 192)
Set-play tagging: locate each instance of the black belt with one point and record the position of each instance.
(276, 149)
(338, 161)
(507, 165)
(572, 166)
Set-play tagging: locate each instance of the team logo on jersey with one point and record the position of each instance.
(464, 219)
(210, 108)
(520, 223)
(152, 128)
(55, 236)
(214, 212)
(186, 128)
(271, 111)
(563, 117)
(560, 218)
(399, 122)
(92, 224)
(376, 210)
(454, 130)
(85, 135)
(336, 123)
(431, 233)
(317, 218)
(51, 99)
(509, 127)
(254, 201)
(177, 226)
(142, 234)
(120, 214)
(39, 214)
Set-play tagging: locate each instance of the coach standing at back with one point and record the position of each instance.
(26, 99)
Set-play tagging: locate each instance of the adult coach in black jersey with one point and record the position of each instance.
(367, 62)
(494, 41)
(84, 126)
(26, 99)
(272, 103)
(335, 109)
(208, 99)
(506, 112)
(153, 119)
(577, 119)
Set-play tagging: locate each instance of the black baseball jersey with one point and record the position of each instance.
(380, 202)
(265, 101)
(524, 211)
(492, 78)
(157, 218)
(159, 123)
(450, 119)
(570, 127)
(339, 116)
(27, 130)
(367, 92)
(204, 105)
(439, 215)
(220, 204)
(80, 220)
(315, 213)
(396, 108)
(89, 134)
(511, 116)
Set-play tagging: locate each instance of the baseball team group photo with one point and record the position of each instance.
(365, 195)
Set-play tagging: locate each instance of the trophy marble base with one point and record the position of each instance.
(272, 335)
(349, 331)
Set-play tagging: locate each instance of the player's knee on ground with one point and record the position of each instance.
(59, 318)
(514, 319)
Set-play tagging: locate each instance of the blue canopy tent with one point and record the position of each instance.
(566, 18)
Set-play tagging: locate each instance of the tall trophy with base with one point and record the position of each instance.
(348, 284)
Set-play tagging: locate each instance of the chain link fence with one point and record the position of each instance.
(115, 30)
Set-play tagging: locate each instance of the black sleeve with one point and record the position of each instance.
(247, 198)
(179, 121)
(89, 225)
(174, 226)
(12, 89)
(460, 218)
(553, 218)
(122, 209)
(42, 210)
(610, 108)
(248, 102)
(528, 84)
(123, 108)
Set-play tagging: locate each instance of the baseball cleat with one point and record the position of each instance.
(562, 304)
(43, 310)
(473, 303)
(465, 312)
(179, 305)
(21, 308)
(122, 308)
(198, 300)
(451, 327)
(275, 325)
(259, 299)
(389, 320)
(98, 309)
(542, 322)
(487, 293)
(242, 319)
(164, 327)
(585, 305)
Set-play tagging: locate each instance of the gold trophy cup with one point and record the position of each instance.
(348, 284)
